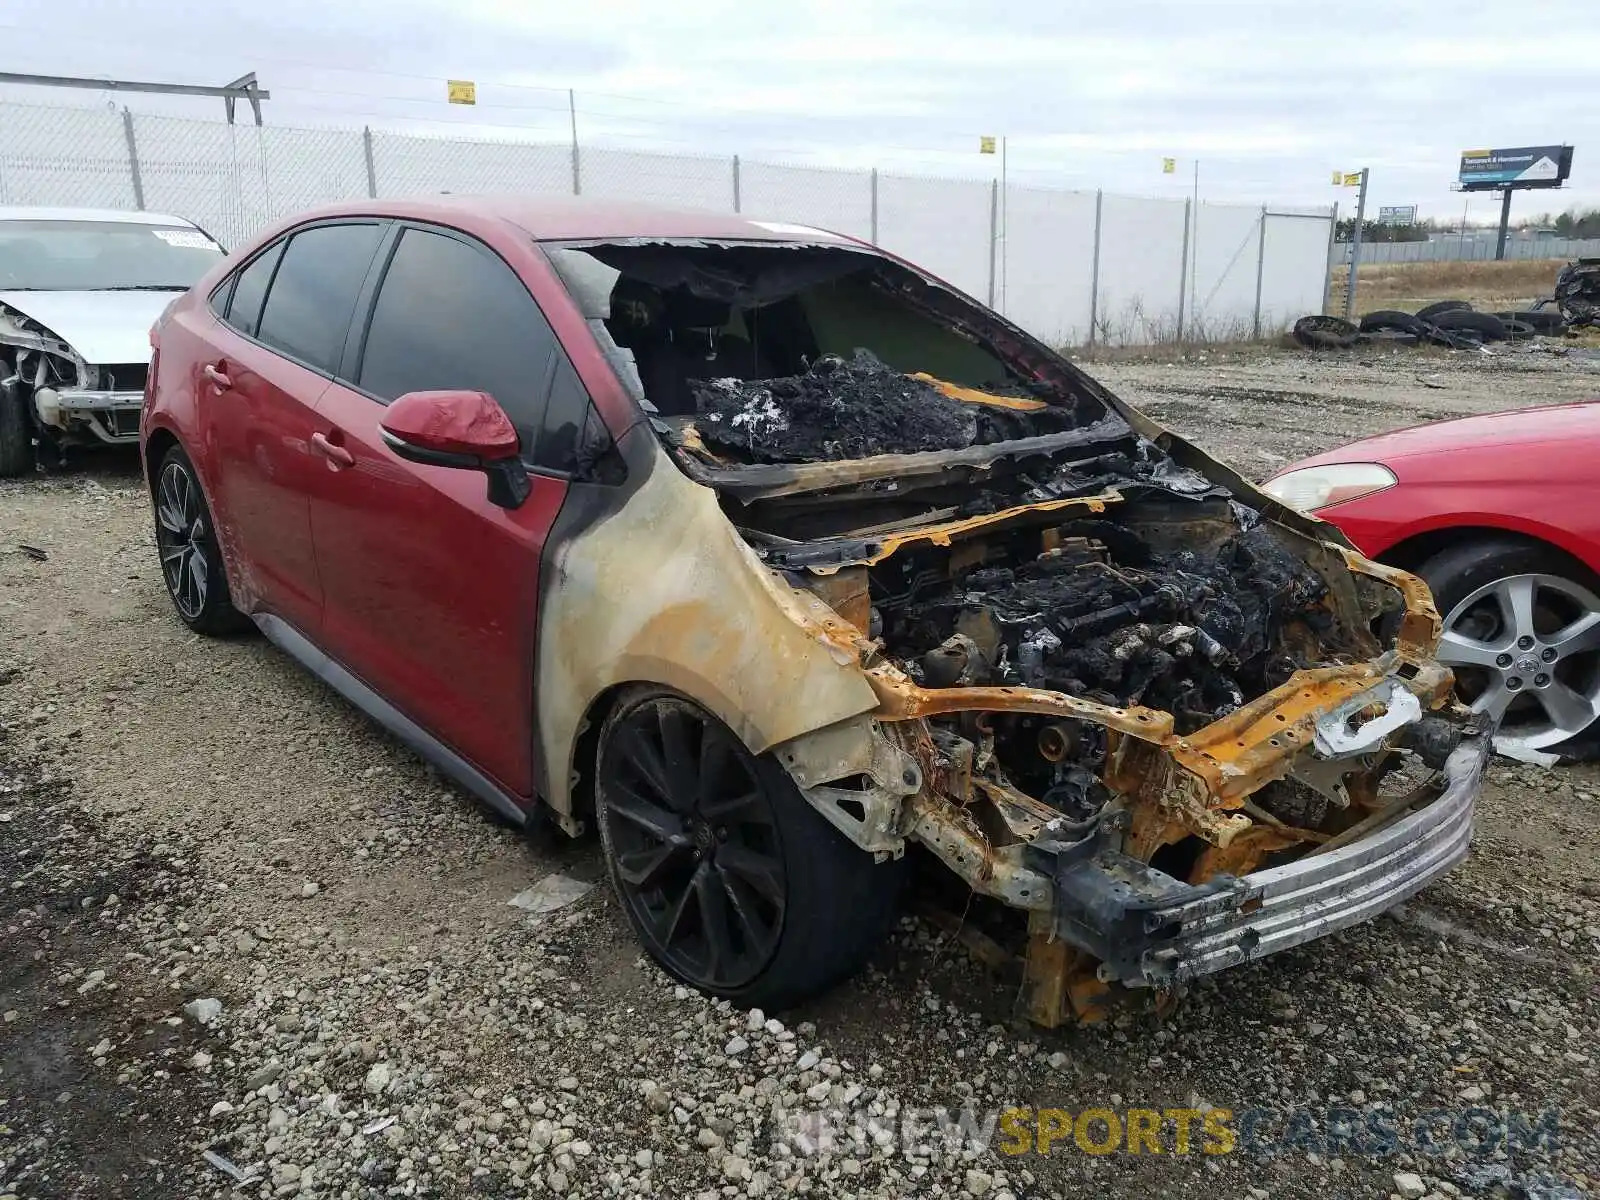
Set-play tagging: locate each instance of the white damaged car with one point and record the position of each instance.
(79, 290)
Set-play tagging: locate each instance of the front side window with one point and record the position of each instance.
(102, 256)
(313, 293)
(452, 315)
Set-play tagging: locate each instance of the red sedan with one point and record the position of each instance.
(1498, 514)
(773, 557)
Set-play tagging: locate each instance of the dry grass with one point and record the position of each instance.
(1488, 285)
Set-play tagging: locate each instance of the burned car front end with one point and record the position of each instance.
(1169, 724)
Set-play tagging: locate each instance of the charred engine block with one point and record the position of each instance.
(1103, 615)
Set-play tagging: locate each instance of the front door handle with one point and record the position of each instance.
(338, 457)
(218, 376)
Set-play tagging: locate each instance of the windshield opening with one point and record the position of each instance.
(795, 353)
(56, 256)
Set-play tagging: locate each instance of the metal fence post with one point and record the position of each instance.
(1183, 268)
(1355, 246)
(1094, 268)
(874, 201)
(1261, 267)
(994, 232)
(572, 111)
(736, 207)
(133, 158)
(1333, 240)
(366, 153)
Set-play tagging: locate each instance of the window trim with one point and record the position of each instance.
(355, 349)
(385, 234)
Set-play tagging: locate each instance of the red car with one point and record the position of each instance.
(773, 556)
(1499, 514)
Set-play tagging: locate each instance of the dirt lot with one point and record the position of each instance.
(185, 820)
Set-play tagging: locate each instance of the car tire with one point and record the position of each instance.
(1485, 326)
(1429, 311)
(1390, 320)
(1544, 320)
(191, 562)
(1325, 333)
(732, 882)
(1476, 587)
(16, 436)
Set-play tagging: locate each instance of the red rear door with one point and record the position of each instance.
(260, 373)
(431, 591)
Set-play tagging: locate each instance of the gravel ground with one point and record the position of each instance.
(237, 919)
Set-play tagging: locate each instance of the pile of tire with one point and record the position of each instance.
(1453, 323)
(1456, 323)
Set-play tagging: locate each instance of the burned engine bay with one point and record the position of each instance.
(1002, 547)
(1090, 645)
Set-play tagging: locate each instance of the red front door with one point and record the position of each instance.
(430, 592)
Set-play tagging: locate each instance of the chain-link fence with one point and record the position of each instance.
(1072, 267)
(1474, 249)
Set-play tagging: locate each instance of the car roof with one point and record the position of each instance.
(123, 216)
(566, 218)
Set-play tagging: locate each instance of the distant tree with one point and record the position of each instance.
(1575, 224)
(1371, 231)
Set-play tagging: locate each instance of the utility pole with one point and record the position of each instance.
(1355, 247)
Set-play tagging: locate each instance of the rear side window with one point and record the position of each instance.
(308, 308)
(250, 289)
(451, 314)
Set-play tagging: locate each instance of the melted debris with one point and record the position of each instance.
(1104, 616)
(839, 410)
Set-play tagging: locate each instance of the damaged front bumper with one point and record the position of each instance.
(1100, 917)
(1148, 929)
(112, 416)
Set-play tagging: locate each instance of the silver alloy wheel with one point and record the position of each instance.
(1527, 649)
(182, 538)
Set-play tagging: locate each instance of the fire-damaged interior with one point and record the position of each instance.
(1084, 633)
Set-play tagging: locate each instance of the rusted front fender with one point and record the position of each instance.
(659, 588)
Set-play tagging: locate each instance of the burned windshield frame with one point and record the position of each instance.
(105, 255)
(915, 322)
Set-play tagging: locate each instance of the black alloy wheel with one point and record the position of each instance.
(693, 843)
(191, 560)
(183, 536)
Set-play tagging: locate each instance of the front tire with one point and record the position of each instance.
(191, 560)
(1522, 633)
(730, 879)
(16, 438)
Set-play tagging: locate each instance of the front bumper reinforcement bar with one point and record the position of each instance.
(1151, 930)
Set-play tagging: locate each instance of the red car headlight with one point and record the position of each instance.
(1313, 488)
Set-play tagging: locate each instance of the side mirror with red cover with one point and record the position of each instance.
(467, 430)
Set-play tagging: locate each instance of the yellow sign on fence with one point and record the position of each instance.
(985, 145)
(1347, 179)
(461, 91)
(1169, 166)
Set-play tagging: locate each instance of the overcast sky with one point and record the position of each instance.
(1269, 98)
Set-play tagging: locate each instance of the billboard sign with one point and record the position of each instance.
(1399, 214)
(1520, 167)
